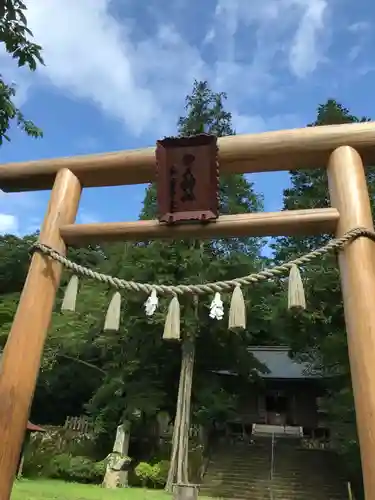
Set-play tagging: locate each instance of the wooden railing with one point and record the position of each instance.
(80, 424)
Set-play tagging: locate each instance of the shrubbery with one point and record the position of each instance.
(66, 467)
(55, 454)
(77, 469)
(152, 475)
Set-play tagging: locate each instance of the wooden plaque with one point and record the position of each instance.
(187, 179)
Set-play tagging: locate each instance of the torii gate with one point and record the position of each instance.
(344, 149)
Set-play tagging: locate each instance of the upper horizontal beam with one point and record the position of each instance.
(287, 223)
(309, 147)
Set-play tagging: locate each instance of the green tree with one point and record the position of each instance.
(205, 113)
(16, 37)
(319, 335)
(196, 261)
(143, 370)
(68, 354)
(14, 261)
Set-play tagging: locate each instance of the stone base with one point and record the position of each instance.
(185, 491)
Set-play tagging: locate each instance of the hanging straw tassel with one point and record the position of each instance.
(70, 296)
(237, 311)
(112, 319)
(296, 292)
(172, 321)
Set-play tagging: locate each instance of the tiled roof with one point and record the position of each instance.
(279, 364)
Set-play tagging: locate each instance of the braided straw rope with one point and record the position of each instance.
(207, 288)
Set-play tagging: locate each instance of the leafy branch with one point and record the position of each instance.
(15, 35)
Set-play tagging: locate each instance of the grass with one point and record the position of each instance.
(58, 490)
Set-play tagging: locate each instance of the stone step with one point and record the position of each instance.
(288, 494)
(295, 476)
(243, 472)
(265, 494)
(256, 493)
(291, 474)
(267, 484)
(248, 454)
(244, 467)
(244, 489)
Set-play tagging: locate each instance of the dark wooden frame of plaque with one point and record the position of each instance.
(169, 152)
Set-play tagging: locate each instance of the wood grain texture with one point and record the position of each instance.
(20, 361)
(349, 195)
(291, 222)
(309, 147)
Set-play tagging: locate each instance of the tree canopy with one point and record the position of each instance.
(17, 40)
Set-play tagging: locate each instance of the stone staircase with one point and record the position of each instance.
(243, 471)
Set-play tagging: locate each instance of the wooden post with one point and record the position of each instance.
(349, 194)
(21, 358)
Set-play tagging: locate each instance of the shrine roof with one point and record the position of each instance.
(34, 428)
(279, 364)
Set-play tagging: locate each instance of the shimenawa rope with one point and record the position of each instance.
(207, 288)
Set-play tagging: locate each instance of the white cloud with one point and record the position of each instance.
(295, 27)
(8, 224)
(139, 77)
(87, 53)
(359, 27)
(306, 51)
(22, 213)
(362, 34)
(91, 54)
(244, 124)
(354, 52)
(137, 70)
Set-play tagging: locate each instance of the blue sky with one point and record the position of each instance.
(117, 73)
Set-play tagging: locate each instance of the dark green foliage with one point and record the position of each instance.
(59, 454)
(15, 35)
(66, 467)
(154, 475)
(78, 469)
(14, 262)
(214, 403)
(67, 356)
(205, 113)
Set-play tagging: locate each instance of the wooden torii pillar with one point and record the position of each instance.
(344, 148)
